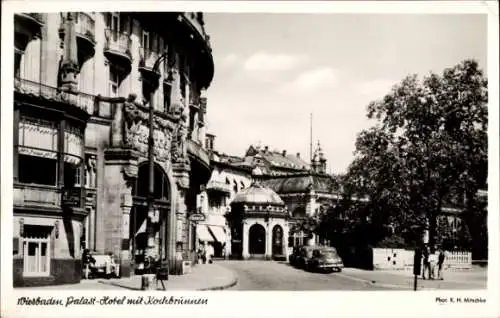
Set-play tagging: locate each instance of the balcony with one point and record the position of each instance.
(195, 19)
(85, 35)
(117, 49)
(200, 161)
(218, 186)
(82, 101)
(147, 60)
(27, 26)
(38, 195)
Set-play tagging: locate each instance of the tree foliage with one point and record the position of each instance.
(428, 149)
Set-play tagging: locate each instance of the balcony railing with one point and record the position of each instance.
(148, 58)
(84, 26)
(196, 150)
(25, 194)
(218, 186)
(193, 19)
(80, 100)
(118, 42)
(38, 17)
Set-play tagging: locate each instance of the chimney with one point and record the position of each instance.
(298, 154)
(284, 153)
(209, 142)
(266, 148)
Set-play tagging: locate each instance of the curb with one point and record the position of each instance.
(231, 284)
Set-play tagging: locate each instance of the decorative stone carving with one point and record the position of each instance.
(69, 65)
(136, 129)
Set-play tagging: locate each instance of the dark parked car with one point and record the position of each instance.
(301, 256)
(325, 259)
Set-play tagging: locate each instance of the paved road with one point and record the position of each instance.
(270, 275)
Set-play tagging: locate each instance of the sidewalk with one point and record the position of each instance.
(202, 277)
(473, 279)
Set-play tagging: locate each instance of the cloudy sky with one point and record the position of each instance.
(273, 70)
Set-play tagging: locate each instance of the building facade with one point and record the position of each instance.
(304, 188)
(89, 88)
(225, 182)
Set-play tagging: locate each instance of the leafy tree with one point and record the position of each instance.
(444, 233)
(429, 144)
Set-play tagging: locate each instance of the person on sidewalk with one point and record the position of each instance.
(210, 253)
(425, 262)
(203, 253)
(440, 263)
(88, 262)
(433, 258)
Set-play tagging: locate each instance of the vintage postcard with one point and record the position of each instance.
(331, 159)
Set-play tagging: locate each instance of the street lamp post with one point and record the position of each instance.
(147, 278)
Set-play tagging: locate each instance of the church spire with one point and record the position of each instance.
(318, 161)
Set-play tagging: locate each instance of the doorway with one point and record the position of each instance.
(257, 239)
(277, 241)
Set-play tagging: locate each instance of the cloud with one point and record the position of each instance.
(262, 61)
(376, 88)
(318, 79)
(229, 60)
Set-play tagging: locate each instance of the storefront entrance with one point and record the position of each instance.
(257, 239)
(141, 216)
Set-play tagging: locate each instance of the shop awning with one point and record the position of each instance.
(218, 233)
(203, 234)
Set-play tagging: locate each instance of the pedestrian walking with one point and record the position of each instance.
(440, 264)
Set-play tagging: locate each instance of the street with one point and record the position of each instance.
(256, 275)
(272, 276)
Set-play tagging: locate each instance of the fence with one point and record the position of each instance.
(401, 259)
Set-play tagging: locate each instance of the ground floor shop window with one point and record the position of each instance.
(36, 251)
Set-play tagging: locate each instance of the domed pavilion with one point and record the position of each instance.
(259, 224)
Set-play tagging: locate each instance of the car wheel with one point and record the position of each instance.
(339, 270)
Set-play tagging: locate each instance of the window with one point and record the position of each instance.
(145, 40)
(36, 250)
(78, 181)
(72, 175)
(37, 170)
(115, 22)
(167, 91)
(114, 82)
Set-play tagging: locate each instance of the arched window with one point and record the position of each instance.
(235, 186)
(242, 185)
(161, 184)
(228, 181)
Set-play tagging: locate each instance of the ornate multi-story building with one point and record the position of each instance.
(244, 188)
(88, 88)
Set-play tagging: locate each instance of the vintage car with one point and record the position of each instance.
(325, 259)
(301, 256)
(104, 266)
